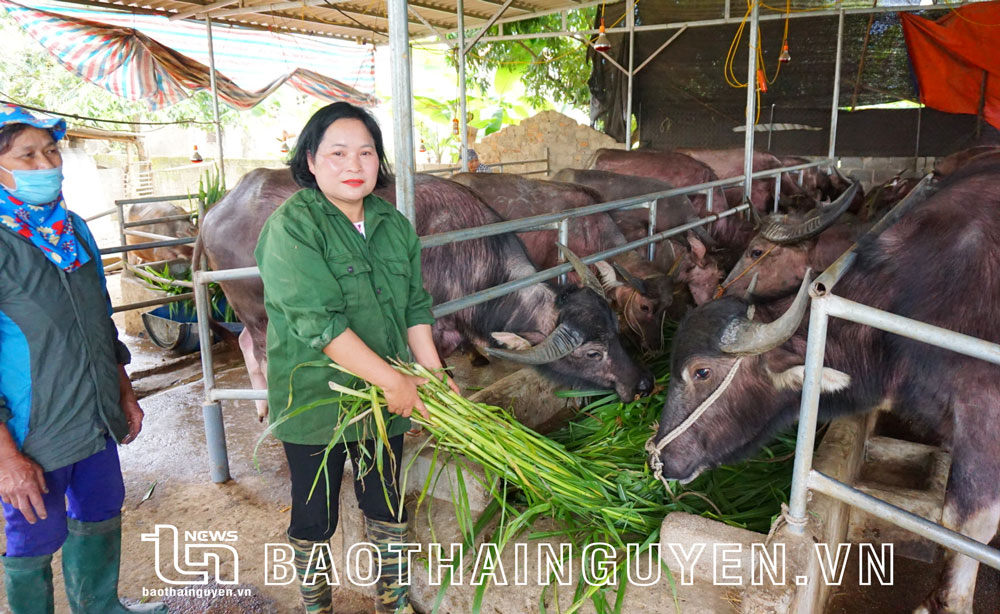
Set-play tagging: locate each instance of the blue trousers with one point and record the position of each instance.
(90, 490)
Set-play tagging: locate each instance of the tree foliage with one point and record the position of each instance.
(553, 70)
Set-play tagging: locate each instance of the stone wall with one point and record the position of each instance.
(548, 135)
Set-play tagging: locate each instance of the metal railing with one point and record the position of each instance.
(825, 305)
(212, 410)
(125, 229)
(499, 166)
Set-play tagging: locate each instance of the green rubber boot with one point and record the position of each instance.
(29, 584)
(317, 597)
(90, 559)
(391, 595)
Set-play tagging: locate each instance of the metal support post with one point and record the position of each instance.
(751, 100)
(777, 191)
(651, 253)
(215, 102)
(808, 411)
(709, 198)
(630, 23)
(402, 113)
(834, 111)
(463, 119)
(564, 239)
(215, 430)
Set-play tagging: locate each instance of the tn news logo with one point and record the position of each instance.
(203, 559)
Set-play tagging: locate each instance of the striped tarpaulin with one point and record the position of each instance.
(132, 65)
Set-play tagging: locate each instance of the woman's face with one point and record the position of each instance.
(346, 163)
(32, 149)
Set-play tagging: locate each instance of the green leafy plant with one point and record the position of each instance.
(210, 191)
(216, 297)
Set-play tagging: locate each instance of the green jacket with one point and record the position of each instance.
(321, 277)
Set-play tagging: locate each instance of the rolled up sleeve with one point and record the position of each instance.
(418, 307)
(299, 285)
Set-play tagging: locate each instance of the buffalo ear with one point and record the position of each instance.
(511, 341)
(698, 248)
(791, 379)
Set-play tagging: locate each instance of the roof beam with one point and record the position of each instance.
(195, 10)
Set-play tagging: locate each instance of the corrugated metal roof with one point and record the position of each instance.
(364, 21)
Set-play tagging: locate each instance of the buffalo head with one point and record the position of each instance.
(584, 350)
(732, 386)
(785, 247)
(641, 302)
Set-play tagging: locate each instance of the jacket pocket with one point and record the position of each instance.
(398, 280)
(354, 276)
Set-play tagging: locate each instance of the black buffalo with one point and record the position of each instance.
(754, 365)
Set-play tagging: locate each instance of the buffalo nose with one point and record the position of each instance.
(645, 386)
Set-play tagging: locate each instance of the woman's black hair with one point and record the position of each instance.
(8, 133)
(312, 135)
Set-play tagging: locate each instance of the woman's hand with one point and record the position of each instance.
(401, 396)
(22, 483)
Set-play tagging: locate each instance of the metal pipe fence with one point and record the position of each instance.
(498, 165)
(825, 305)
(214, 431)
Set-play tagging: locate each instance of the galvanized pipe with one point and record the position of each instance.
(238, 394)
(153, 302)
(564, 239)
(158, 220)
(215, 101)
(751, 108)
(808, 412)
(538, 220)
(834, 111)
(841, 307)
(517, 284)
(150, 235)
(462, 103)
(104, 213)
(651, 248)
(777, 191)
(150, 199)
(215, 430)
(150, 245)
(249, 272)
(709, 199)
(630, 24)
(902, 518)
(402, 102)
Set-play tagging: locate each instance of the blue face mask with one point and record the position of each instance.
(36, 187)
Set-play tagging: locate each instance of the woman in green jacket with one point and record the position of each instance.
(341, 272)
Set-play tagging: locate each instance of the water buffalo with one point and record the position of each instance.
(688, 257)
(747, 371)
(176, 229)
(788, 245)
(569, 333)
(949, 164)
(726, 163)
(647, 292)
(678, 170)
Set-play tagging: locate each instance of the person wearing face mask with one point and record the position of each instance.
(342, 282)
(65, 399)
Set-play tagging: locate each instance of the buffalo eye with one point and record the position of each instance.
(757, 253)
(702, 374)
(644, 308)
(594, 355)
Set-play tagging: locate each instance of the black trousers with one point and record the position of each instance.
(315, 518)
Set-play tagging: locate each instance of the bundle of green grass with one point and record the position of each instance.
(590, 477)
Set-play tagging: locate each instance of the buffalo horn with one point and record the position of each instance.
(586, 275)
(776, 230)
(559, 343)
(745, 337)
(633, 281)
